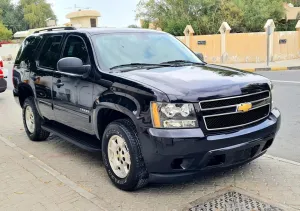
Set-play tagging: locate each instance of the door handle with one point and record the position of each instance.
(59, 84)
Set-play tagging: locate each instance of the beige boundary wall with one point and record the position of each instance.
(229, 47)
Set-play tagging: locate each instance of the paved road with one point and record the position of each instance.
(9, 79)
(287, 99)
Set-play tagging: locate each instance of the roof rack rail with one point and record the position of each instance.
(54, 28)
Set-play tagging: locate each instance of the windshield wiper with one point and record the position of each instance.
(180, 62)
(139, 65)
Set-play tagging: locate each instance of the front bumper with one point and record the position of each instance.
(3, 85)
(180, 153)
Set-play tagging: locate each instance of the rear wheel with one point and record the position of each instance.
(122, 156)
(33, 121)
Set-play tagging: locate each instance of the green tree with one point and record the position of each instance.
(170, 15)
(133, 26)
(5, 5)
(287, 25)
(12, 16)
(231, 13)
(257, 12)
(5, 34)
(145, 24)
(206, 16)
(36, 12)
(296, 3)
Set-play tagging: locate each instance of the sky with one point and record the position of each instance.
(114, 13)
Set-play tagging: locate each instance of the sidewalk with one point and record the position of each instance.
(274, 66)
(26, 186)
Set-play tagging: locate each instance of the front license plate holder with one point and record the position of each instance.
(242, 155)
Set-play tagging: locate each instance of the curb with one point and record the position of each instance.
(271, 69)
(282, 160)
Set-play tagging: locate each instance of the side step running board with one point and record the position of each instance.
(82, 140)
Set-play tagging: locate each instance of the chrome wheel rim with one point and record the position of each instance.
(29, 118)
(119, 157)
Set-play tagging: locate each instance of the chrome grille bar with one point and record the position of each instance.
(263, 107)
(226, 98)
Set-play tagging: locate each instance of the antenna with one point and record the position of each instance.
(76, 7)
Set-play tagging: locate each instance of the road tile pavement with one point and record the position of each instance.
(26, 186)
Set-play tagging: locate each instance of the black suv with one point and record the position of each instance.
(153, 108)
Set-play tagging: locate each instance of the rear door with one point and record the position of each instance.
(73, 101)
(46, 65)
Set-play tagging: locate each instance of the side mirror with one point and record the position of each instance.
(72, 65)
(200, 56)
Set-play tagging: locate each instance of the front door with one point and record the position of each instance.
(73, 101)
(42, 76)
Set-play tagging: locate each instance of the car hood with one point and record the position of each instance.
(199, 82)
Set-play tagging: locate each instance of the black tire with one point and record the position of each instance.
(39, 134)
(138, 175)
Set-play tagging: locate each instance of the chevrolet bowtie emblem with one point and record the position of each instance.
(244, 107)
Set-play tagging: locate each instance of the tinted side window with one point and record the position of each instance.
(27, 49)
(75, 47)
(50, 52)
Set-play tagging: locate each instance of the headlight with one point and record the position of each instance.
(173, 115)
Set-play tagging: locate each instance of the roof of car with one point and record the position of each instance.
(93, 31)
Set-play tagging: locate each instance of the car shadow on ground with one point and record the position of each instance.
(210, 178)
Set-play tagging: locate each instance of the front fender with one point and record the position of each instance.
(116, 107)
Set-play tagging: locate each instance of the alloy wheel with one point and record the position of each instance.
(29, 117)
(119, 157)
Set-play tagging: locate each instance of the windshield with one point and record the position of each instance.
(151, 48)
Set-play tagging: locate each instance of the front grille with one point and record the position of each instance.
(236, 119)
(234, 100)
(221, 114)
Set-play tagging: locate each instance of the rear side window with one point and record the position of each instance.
(28, 48)
(75, 47)
(50, 53)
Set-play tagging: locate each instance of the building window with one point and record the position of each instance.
(93, 22)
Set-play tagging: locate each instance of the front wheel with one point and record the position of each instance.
(122, 156)
(33, 121)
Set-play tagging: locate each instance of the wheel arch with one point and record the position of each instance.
(24, 91)
(110, 112)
